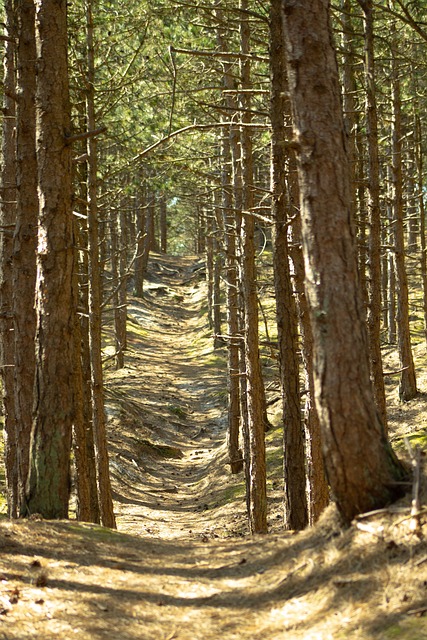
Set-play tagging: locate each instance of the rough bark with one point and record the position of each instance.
(295, 500)
(98, 412)
(7, 219)
(361, 466)
(256, 408)
(87, 458)
(25, 236)
(84, 462)
(49, 483)
(407, 381)
(374, 288)
(235, 455)
(317, 484)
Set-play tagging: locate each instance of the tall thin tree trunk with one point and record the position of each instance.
(98, 415)
(25, 238)
(235, 456)
(374, 304)
(7, 219)
(421, 215)
(84, 461)
(295, 502)
(407, 382)
(121, 309)
(256, 409)
(163, 224)
(138, 288)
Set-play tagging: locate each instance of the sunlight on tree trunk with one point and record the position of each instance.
(353, 435)
(49, 483)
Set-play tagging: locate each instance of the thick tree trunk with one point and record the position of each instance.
(295, 500)
(7, 220)
(361, 466)
(49, 483)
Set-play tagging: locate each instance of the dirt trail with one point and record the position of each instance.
(180, 566)
(168, 446)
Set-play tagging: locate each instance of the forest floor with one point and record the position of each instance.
(181, 565)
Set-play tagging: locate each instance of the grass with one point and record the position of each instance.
(177, 411)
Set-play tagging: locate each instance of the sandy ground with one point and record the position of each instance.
(182, 565)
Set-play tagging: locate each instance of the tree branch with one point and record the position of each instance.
(84, 135)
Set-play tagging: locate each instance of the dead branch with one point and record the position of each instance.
(84, 135)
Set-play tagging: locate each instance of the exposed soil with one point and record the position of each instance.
(181, 565)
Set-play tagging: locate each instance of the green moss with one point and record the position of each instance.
(229, 494)
(160, 450)
(177, 411)
(410, 629)
(135, 328)
(416, 439)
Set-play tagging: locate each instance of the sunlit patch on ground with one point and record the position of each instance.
(181, 565)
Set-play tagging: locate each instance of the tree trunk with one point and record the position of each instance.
(255, 396)
(163, 225)
(49, 482)
(295, 502)
(98, 413)
(7, 219)
(354, 438)
(85, 363)
(421, 215)
(120, 319)
(84, 462)
(407, 382)
(25, 238)
(374, 289)
(138, 288)
(317, 484)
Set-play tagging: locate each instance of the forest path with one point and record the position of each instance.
(179, 567)
(167, 419)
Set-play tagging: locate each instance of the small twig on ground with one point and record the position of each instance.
(417, 612)
(378, 532)
(291, 573)
(378, 512)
